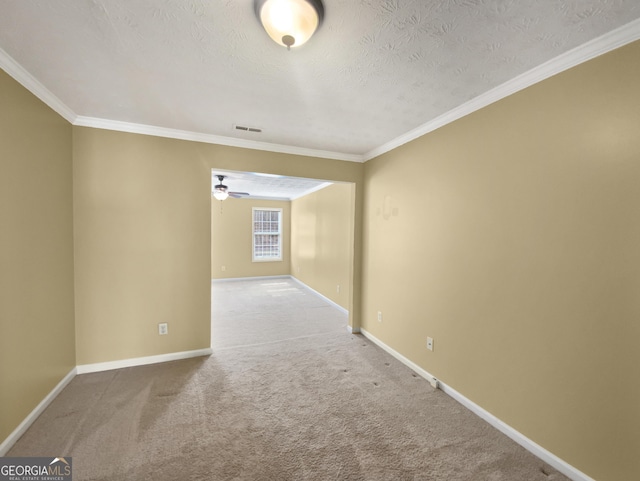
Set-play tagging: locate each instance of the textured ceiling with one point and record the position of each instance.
(374, 71)
(267, 186)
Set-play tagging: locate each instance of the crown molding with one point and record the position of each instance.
(23, 77)
(211, 139)
(28, 81)
(609, 41)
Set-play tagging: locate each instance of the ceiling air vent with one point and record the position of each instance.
(247, 129)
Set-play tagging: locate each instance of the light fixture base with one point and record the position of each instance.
(288, 40)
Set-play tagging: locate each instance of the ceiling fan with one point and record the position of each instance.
(221, 191)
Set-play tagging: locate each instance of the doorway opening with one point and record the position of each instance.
(317, 236)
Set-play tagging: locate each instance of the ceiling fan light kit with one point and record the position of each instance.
(290, 23)
(221, 191)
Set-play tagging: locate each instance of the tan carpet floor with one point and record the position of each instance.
(288, 394)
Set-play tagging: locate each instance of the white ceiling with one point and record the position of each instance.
(267, 186)
(376, 74)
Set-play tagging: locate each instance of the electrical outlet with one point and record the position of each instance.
(338, 289)
(430, 343)
(379, 316)
(163, 328)
(223, 268)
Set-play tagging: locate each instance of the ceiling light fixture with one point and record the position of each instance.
(290, 23)
(220, 192)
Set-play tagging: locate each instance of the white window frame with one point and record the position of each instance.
(265, 258)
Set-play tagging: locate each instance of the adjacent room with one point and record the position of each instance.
(454, 296)
(312, 238)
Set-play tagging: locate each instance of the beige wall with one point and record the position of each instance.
(322, 241)
(138, 209)
(143, 237)
(142, 246)
(512, 238)
(36, 253)
(231, 239)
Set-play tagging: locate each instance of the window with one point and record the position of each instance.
(267, 234)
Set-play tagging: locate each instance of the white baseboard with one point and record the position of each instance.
(87, 368)
(322, 296)
(141, 361)
(429, 377)
(534, 448)
(353, 330)
(259, 278)
(33, 415)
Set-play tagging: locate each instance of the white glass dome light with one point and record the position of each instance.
(220, 194)
(290, 23)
